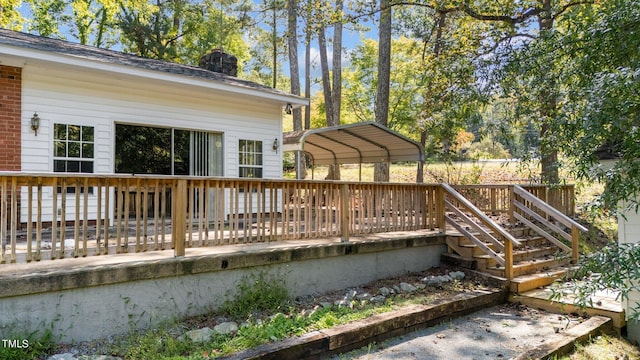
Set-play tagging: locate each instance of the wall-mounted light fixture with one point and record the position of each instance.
(288, 109)
(276, 144)
(35, 123)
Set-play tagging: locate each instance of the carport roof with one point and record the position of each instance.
(366, 142)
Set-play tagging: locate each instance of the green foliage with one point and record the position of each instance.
(155, 344)
(487, 149)
(258, 293)
(90, 22)
(614, 267)
(38, 345)
(10, 17)
(451, 173)
(604, 117)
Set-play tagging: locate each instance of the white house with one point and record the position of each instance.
(66, 107)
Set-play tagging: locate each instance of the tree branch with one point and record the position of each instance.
(512, 20)
(504, 39)
(569, 6)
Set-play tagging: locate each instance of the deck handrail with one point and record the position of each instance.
(564, 219)
(548, 210)
(509, 240)
(480, 215)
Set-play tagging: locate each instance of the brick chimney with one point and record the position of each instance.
(219, 61)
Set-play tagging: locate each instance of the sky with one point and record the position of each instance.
(351, 39)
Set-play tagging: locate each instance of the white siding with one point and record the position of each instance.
(69, 96)
(629, 232)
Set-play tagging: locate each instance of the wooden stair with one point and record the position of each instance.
(536, 263)
(536, 248)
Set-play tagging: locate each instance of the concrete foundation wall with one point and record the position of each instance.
(95, 303)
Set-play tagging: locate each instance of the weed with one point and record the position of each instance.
(603, 348)
(258, 293)
(20, 346)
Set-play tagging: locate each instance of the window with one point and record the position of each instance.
(250, 158)
(73, 150)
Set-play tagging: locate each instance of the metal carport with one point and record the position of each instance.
(365, 142)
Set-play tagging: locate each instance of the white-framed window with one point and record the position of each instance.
(73, 150)
(250, 158)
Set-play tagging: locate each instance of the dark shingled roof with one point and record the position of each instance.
(23, 40)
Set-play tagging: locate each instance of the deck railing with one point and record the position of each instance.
(54, 216)
(497, 199)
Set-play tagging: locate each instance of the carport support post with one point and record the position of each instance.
(179, 217)
(344, 212)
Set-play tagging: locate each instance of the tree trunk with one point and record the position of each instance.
(548, 110)
(307, 80)
(274, 43)
(294, 71)
(381, 172)
(324, 69)
(336, 85)
(334, 170)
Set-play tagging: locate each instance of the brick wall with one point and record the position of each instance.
(10, 113)
(10, 131)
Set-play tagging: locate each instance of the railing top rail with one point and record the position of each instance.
(200, 178)
(567, 221)
(500, 186)
(481, 215)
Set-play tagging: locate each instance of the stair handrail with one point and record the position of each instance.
(548, 209)
(480, 215)
(553, 212)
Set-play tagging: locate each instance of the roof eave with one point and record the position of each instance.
(67, 60)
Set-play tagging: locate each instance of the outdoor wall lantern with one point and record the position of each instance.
(276, 145)
(35, 123)
(288, 109)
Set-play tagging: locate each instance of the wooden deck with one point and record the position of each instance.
(604, 303)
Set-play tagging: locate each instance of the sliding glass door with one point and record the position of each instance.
(167, 151)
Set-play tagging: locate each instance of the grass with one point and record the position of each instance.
(19, 346)
(455, 173)
(264, 308)
(604, 347)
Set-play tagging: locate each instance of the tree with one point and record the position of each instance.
(450, 93)
(153, 30)
(603, 107)
(603, 117)
(47, 17)
(381, 172)
(10, 17)
(535, 81)
(216, 25)
(91, 22)
(405, 82)
(292, 42)
(331, 83)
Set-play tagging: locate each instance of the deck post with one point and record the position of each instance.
(575, 236)
(508, 259)
(512, 198)
(344, 213)
(179, 217)
(440, 220)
